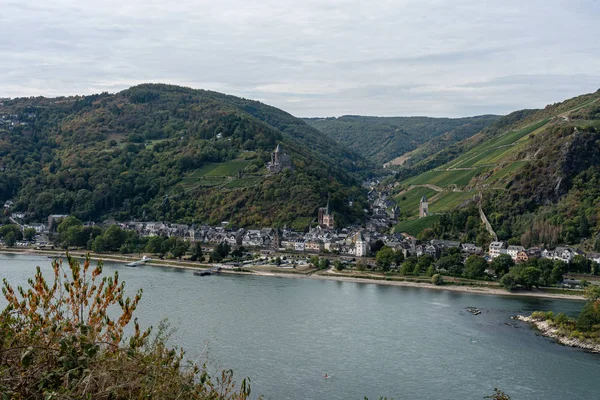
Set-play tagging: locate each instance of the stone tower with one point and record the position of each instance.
(361, 245)
(423, 207)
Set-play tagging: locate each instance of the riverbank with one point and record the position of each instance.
(322, 275)
(448, 287)
(550, 331)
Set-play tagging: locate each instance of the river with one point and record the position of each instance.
(372, 340)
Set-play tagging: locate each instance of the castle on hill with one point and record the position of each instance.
(280, 160)
(326, 217)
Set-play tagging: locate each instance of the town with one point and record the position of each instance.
(351, 246)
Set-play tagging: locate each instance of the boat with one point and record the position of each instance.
(138, 262)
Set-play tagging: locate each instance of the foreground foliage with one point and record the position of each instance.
(66, 339)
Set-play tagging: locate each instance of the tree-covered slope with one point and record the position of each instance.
(537, 170)
(387, 139)
(167, 152)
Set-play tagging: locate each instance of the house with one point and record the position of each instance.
(432, 250)
(594, 257)
(534, 252)
(565, 254)
(314, 245)
(299, 245)
(471, 249)
(39, 228)
(53, 218)
(496, 248)
(512, 251)
(522, 256)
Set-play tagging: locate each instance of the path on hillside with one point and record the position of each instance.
(484, 219)
(427, 185)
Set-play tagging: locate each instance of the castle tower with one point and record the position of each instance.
(423, 207)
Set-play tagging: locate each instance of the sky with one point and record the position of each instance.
(311, 58)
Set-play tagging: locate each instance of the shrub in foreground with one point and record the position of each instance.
(58, 340)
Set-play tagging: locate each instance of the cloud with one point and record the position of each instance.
(311, 57)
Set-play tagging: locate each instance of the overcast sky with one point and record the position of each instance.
(309, 57)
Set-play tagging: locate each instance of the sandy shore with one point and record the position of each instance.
(549, 331)
(321, 276)
(449, 287)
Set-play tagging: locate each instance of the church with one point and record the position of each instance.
(326, 217)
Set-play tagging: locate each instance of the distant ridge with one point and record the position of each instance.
(384, 139)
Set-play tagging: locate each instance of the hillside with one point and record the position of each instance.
(537, 172)
(161, 152)
(387, 139)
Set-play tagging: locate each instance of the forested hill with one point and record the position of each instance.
(162, 152)
(538, 172)
(384, 139)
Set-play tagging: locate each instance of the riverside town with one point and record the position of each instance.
(305, 200)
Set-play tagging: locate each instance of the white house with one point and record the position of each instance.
(513, 251)
(496, 248)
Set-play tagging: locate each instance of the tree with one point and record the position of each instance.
(10, 239)
(589, 316)
(509, 282)
(114, 238)
(278, 261)
(11, 228)
(29, 234)
(324, 263)
(475, 267)
(408, 266)
(556, 276)
(425, 261)
(68, 222)
(398, 258)
(99, 245)
(580, 264)
(417, 269)
(502, 264)
(338, 265)
(360, 266)
(220, 252)
(430, 271)
(181, 247)
(197, 252)
(154, 244)
(451, 263)
(437, 279)
(384, 258)
(592, 292)
(530, 277)
(314, 260)
(378, 245)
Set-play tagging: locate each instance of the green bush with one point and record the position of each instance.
(437, 279)
(58, 341)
